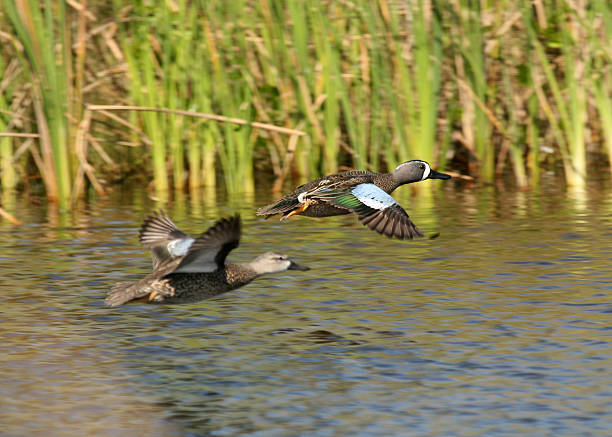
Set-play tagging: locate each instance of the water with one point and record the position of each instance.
(500, 326)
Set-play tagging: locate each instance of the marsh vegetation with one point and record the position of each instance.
(198, 93)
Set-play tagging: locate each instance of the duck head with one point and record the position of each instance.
(415, 171)
(271, 262)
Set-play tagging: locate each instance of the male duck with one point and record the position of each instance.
(363, 192)
(188, 269)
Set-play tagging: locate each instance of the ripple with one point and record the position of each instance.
(498, 327)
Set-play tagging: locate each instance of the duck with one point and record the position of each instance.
(364, 193)
(189, 269)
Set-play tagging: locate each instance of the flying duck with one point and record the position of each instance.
(364, 193)
(189, 269)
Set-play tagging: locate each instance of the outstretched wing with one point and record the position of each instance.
(164, 238)
(375, 209)
(209, 250)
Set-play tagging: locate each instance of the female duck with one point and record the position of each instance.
(364, 193)
(187, 269)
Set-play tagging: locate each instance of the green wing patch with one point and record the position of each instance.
(347, 200)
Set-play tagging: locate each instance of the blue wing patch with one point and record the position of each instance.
(180, 247)
(372, 196)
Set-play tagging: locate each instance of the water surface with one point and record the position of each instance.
(500, 326)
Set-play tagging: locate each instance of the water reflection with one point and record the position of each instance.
(501, 326)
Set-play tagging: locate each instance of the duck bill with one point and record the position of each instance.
(295, 266)
(437, 175)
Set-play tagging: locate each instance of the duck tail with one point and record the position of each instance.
(283, 206)
(119, 294)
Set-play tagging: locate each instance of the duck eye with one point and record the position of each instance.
(422, 166)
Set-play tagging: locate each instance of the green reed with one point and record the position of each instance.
(427, 76)
(464, 24)
(602, 89)
(485, 84)
(230, 94)
(8, 177)
(145, 90)
(46, 63)
(564, 103)
(600, 34)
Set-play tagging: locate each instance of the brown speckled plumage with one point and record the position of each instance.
(200, 272)
(345, 179)
(161, 286)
